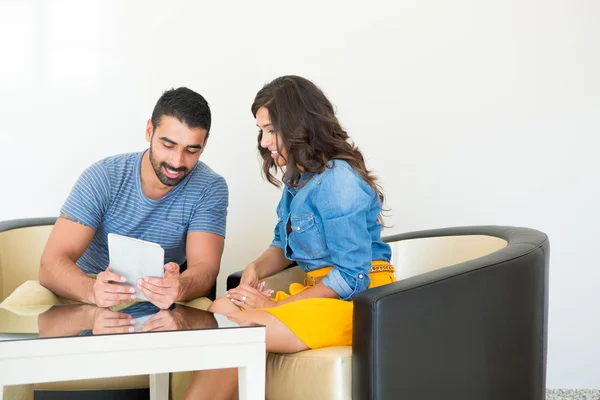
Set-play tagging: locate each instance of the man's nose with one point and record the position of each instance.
(177, 160)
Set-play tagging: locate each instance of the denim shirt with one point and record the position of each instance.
(332, 221)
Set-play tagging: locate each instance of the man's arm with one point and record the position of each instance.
(204, 251)
(66, 320)
(58, 272)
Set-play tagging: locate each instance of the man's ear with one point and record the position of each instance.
(149, 130)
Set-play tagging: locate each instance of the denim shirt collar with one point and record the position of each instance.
(306, 177)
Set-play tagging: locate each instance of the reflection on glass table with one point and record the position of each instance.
(85, 340)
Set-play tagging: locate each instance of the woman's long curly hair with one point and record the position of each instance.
(310, 131)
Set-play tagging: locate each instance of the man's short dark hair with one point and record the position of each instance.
(189, 107)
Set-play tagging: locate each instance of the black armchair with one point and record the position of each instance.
(467, 319)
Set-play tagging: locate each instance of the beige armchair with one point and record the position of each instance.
(21, 245)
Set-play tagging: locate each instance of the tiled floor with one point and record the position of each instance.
(573, 394)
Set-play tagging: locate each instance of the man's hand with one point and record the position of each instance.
(107, 294)
(106, 321)
(249, 298)
(162, 292)
(250, 276)
(164, 320)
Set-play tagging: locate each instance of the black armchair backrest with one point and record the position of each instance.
(472, 330)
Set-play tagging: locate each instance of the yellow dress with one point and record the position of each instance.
(321, 322)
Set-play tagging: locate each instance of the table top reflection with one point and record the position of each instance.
(80, 320)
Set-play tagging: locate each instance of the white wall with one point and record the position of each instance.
(472, 112)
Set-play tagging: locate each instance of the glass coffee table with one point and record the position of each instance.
(71, 342)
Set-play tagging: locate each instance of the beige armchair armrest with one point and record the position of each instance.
(30, 298)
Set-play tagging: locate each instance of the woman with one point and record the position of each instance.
(329, 222)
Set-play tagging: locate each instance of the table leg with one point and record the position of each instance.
(159, 386)
(251, 381)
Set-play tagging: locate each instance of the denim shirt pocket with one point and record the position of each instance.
(305, 238)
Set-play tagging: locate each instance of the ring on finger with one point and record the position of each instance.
(243, 298)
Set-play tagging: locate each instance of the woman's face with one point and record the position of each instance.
(271, 140)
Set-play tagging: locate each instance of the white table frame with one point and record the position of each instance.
(156, 353)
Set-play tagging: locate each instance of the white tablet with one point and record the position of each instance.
(135, 259)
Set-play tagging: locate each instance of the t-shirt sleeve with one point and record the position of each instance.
(210, 214)
(89, 198)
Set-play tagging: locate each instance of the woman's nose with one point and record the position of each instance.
(265, 140)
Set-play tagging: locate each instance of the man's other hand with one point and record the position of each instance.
(162, 292)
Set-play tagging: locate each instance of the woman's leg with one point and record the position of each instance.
(223, 305)
(222, 383)
(280, 339)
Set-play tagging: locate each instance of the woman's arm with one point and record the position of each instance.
(270, 262)
(251, 298)
(317, 291)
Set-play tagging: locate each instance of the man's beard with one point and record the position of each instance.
(160, 173)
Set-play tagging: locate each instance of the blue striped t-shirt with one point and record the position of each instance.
(108, 197)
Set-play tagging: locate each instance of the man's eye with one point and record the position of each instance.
(168, 146)
(192, 151)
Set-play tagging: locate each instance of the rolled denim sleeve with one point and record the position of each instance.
(343, 201)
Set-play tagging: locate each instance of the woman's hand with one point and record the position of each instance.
(261, 288)
(247, 297)
(250, 276)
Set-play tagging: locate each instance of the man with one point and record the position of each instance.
(163, 195)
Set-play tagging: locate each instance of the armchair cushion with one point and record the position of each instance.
(321, 374)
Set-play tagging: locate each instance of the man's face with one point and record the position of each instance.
(174, 149)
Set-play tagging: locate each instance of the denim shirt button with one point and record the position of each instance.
(360, 276)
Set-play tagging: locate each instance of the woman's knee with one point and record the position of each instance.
(279, 338)
(223, 305)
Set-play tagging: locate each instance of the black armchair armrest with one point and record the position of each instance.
(474, 330)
